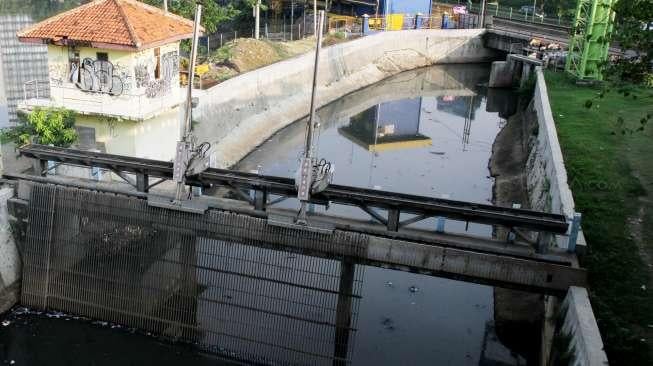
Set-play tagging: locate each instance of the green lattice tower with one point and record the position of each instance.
(590, 39)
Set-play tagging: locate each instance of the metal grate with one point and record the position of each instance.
(219, 279)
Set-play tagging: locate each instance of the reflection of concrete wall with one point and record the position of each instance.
(428, 82)
(9, 258)
(242, 112)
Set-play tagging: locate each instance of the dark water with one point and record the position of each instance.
(427, 132)
(255, 303)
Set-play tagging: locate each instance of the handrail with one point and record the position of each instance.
(395, 203)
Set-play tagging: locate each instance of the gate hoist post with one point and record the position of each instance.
(185, 145)
(305, 176)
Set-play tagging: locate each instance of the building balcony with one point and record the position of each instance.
(136, 106)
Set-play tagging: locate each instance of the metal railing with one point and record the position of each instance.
(348, 25)
(513, 13)
(404, 22)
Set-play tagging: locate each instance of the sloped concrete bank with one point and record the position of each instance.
(529, 169)
(241, 113)
(546, 179)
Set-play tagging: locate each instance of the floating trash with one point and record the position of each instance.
(6, 323)
(389, 284)
(413, 289)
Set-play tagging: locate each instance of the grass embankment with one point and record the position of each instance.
(247, 54)
(609, 160)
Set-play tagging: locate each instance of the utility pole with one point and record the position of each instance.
(534, 9)
(165, 5)
(305, 176)
(184, 146)
(483, 13)
(257, 16)
(314, 17)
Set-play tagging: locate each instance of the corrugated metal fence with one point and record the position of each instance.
(214, 279)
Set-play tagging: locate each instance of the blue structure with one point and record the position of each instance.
(360, 7)
(411, 7)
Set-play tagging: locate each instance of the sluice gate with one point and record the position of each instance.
(218, 278)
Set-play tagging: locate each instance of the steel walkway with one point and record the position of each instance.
(368, 200)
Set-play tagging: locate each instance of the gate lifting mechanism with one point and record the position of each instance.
(189, 159)
(312, 176)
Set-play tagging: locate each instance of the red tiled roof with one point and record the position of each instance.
(116, 24)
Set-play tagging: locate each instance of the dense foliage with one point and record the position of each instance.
(634, 33)
(37, 9)
(213, 12)
(47, 126)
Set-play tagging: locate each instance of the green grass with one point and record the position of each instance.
(610, 167)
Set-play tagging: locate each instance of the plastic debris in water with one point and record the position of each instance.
(6, 323)
(389, 284)
(413, 289)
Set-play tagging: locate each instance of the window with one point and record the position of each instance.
(73, 64)
(102, 56)
(157, 58)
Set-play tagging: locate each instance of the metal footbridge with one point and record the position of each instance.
(523, 260)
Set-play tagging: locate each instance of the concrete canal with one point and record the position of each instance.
(428, 131)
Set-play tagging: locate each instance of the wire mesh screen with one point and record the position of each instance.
(218, 279)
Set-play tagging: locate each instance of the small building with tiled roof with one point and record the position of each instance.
(116, 63)
(111, 24)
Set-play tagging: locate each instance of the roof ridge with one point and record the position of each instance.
(125, 20)
(60, 15)
(159, 10)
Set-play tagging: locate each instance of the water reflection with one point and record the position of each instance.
(427, 132)
(387, 126)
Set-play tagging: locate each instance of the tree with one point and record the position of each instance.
(37, 9)
(634, 34)
(47, 126)
(212, 13)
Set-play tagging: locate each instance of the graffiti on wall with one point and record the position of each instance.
(97, 76)
(142, 75)
(58, 72)
(170, 65)
(169, 72)
(123, 73)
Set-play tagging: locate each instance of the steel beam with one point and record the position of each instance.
(354, 196)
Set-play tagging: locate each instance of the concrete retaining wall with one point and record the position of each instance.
(547, 184)
(9, 258)
(241, 113)
(579, 325)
